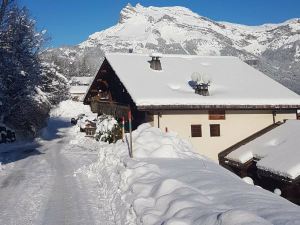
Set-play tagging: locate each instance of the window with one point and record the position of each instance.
(216, 114)
(196, 130)
(215, 130)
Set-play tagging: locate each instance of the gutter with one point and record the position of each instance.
(189, 107)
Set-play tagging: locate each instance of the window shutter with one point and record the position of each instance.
(196, 130)
(215, 130)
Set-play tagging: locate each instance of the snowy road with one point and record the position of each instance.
(38, 184)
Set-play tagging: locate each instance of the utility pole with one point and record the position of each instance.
(130, 134)
(123, 128)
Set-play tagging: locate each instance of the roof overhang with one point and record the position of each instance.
(199, 107)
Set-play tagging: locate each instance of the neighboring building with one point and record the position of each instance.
(81, 81)
(168, 92)
(271, 158)
(79, 86)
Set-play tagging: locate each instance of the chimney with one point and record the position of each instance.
(200, 83)
(155, 63)
(202, 89)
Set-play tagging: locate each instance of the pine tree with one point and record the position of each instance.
(24, 105)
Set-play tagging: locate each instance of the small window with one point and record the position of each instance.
(215, 130)
(196, 130)
(216, 114)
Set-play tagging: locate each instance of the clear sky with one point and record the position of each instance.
(70, 22)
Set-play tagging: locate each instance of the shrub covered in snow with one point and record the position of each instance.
(108, 129)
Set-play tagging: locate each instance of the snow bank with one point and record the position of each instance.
(166, 183)
(150, 142)
(69, 109)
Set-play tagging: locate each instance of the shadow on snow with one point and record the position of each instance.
(53, 129)
(14, 152)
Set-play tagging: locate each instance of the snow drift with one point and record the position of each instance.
(167, 183)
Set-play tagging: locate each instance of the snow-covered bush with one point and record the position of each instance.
(108, 129)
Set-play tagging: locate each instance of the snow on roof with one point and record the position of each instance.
(233, 82)
(82, 80)
(278, 150)
(78, 89)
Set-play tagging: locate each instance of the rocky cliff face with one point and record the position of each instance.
(272, 48)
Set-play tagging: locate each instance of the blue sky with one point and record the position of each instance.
(70, 22)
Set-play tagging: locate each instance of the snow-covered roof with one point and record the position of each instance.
(278, 150)
(78, 89)
(82, 80)
(233, 82)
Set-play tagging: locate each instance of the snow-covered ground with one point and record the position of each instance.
(166, 183)
(38, 184)
(67, 178)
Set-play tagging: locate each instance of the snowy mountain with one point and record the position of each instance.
(272, 48)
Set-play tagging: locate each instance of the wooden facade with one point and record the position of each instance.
(107, 95)
(216, 114)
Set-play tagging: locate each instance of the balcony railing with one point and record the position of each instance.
(109, 108)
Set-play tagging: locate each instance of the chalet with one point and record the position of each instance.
(270, 157)
(214, 101)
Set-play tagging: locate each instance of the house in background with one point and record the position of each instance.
(271, 158)
(79, 86)
(213, 101)
(81, 81)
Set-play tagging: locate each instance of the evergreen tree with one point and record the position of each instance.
(23, 104)
(54, 84)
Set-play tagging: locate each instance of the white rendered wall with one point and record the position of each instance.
(238, 125)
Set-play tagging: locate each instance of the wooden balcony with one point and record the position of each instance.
(109, 108)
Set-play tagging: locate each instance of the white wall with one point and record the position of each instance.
(238, 125)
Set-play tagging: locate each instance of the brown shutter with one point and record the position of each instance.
(196, 130)
(215, 130)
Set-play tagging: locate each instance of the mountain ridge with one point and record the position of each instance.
(272, 48)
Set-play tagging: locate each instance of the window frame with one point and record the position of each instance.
(197, 127)
(212, 131)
